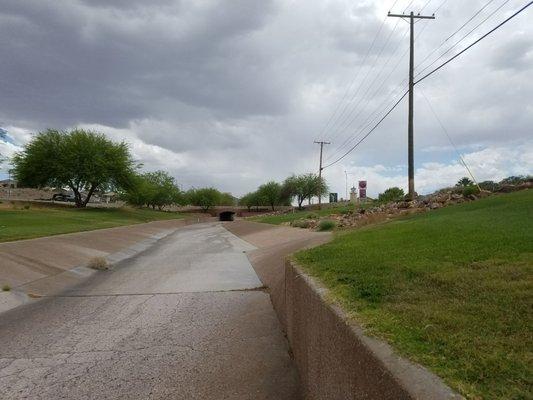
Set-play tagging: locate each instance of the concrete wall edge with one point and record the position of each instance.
(411, 378)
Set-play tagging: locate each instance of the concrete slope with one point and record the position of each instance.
(273, 245)
(25, 261)
(186, 319)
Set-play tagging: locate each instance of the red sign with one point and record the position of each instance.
(362, 189)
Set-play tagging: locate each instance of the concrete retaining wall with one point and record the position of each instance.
(337, 361)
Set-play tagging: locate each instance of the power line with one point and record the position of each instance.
(426, 76)
(463, 38)
(323, 131)
(362, 126)
(334, 126)
(440, 6)
(454, 33)
(346, 118)
(450, 139)
(425, 5)
(369, 132)
(350, 118)
(476, 42)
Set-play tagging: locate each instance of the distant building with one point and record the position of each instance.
(8, 183)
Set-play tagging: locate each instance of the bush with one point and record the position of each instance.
(490, 186)
(470, 190)
(464, 182)
(6, 288)
(312, 216)
(515, 180)
(98, 263)
(391, 194)
(326, 225)
(301, 223)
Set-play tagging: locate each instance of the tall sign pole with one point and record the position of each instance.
(320, 168)
(410, 131)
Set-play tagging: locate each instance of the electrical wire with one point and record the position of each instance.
(362, 126)
(450, 139)
(426, 76)
(350, 118)
(476, 42)
(332, 116)
(454, 33)
(369, 132)
(425, 5)
(342, 117)
(462, 39)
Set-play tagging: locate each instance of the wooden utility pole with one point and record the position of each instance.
(410, 131)
(320, 169)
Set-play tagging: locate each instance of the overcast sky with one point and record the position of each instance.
(233, 93)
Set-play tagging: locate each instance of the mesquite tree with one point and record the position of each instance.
(81, 160)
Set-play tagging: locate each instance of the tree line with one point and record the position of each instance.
(296, 187)
(87, 162)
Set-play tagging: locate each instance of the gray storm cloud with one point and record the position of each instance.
(233, 93)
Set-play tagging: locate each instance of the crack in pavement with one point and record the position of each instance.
(255, 289)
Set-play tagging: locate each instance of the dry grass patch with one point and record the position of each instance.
(98, 263)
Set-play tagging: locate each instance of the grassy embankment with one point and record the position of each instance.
(18, 222)
(296, 215)
(451, 289)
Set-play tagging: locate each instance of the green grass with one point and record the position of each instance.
(451, 289)
(20, 223)
(293, 216)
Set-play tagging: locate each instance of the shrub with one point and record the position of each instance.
(464, 182)
(6, 288)
(326, 225)
(470, 190)
(391, 194)
(312, 216)
(515, 180)
(491, 186)
(98, 263)
(300, 223)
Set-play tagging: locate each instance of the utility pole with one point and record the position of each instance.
(320, 169)
(410, 130)
(346, 176)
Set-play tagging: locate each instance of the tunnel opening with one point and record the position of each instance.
(226, 216)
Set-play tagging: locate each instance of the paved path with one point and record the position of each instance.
(185, 320)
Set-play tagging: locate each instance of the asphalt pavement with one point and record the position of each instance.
(186, 319)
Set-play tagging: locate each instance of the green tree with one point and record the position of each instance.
(159, 189)
(79, 159)
(204, 197)
(464, 182)
(514, 180)
(271, 193)
(490, 186)
(305, 186)
(249, 200)
(391, 194)
(3, 136)
(227, 199)
(139, 192)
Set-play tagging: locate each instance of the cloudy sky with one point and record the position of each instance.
(232, 93)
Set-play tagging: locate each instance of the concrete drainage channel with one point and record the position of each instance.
(52, 285)
(335, 360)
(67, 279)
